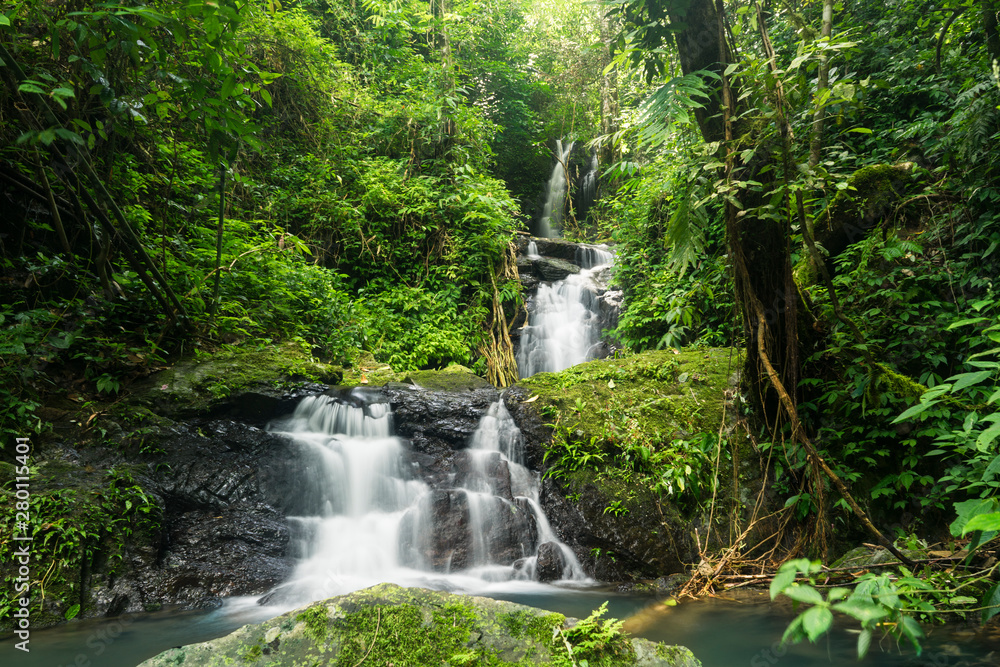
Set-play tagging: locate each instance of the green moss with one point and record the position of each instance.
(452, 378)
(401, 635)
(523, 623)
(316, 620)
(664, 392)
(255, 652)
(900, 385)
(194, 384)
(870, 190)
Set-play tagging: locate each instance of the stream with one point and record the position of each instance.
(721, 633)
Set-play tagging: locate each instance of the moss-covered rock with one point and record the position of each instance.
(454, 378)
(870, 195)
(195, 386)
(666, 392)
(388, 624)
(629, 446)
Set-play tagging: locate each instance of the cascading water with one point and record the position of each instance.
(588, 187)
(564, 321)
(365, 518)
(555, 193)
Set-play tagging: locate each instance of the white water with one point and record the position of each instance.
(555, 193)
(564, 323)
(366, 519)
(588, 187)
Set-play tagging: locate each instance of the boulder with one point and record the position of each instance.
(436, 424)
(550, 563)
(438, 533)
(553, 269)
(390, 625)
(558, 248)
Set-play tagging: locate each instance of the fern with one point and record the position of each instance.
(668, 106)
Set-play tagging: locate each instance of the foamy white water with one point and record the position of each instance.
(367, 518)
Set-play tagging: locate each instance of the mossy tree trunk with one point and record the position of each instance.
(759, 246)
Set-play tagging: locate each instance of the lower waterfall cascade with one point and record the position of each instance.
(363, 516)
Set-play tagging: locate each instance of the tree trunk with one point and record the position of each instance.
(816, 141)
(759, 246)
(988, 10)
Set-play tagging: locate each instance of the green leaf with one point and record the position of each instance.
(4, 20)
(794, 630)
(864, 641)
(865, 612)
(912, 631)
(804, 593)
(991, 602)
(782, 580)
(962, 323)
(30, 88)
(913, 411)
(227, 87)
(988, 436)
(816, 621)
(969, 379)
(75, 609)
(968, 509)
(982, 522)
(266, 96)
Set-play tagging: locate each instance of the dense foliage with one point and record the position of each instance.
(821, 189)
(887, 349)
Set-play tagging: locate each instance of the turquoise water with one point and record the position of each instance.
(720, 633)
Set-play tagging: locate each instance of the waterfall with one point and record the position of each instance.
(555, 193)
(362, 516)
(564, 318)
(588, 187)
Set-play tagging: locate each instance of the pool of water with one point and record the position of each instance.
(720, 632)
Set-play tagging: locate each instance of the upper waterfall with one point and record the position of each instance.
(555, 193)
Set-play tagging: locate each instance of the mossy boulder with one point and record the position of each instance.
(629, 447)
(870, 196)
(387, 624)
(670, 392)
(251, 381)
(553, 268)
(454, 378)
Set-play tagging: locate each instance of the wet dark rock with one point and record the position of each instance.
(650, 540)
(550, 563)
(495, 478)
(558, 248)
(220, 487)
(528, 281)
(533, 427)
(436, 424)
(552, 269)
(437, 533)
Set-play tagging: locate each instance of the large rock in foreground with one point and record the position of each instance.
(390, 625)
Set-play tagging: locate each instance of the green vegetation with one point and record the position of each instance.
(646, 422)
(389, 624)
(79, 519)
(332, 189)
